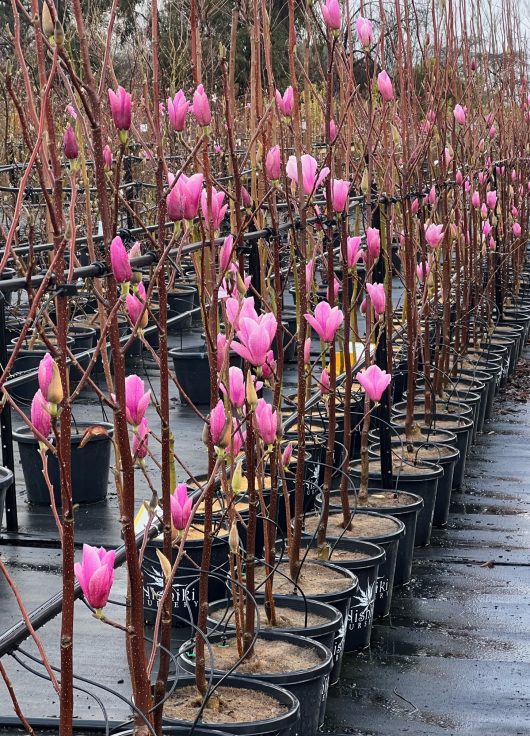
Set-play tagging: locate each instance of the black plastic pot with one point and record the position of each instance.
(309, 686)
(339, 599)
(427, 434)
(488, 379)
(84, 339)
(180, 300)
(361, 609)
(446, 456)
(192, 369)
(424, 484)
(462, 428)
(285, 724)
(6, 479)
(90, 466)
(186, 582)
(441, 406)
(181, 730)
(407, 513)
(389, 542)
(325, 632)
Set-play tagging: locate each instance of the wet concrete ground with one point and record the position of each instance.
(454, 657)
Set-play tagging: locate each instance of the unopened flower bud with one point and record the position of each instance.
(233, 539)
(237, 479)
(252, 396)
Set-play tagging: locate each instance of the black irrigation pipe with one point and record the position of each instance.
(14, 636)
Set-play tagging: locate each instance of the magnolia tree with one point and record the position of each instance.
(348, 167)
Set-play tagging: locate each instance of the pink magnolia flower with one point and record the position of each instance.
(236, 386)
(95, 574)
(218, 209)
(70, 109)
(135, 309)
(177, 109)
(201, 107)
(218, 423)
(236, 309)
(364, 30)
(374, 381)
(286, 455)
(107, 158)
(486, 229)
(310, 181)
(484, 211)
(459, 114)
(434, 235)
(324, 383)
(273, 164)
(384, 85)
(285, 102)
(481, 177)
(331, 14)
(326, 321)
(140, 440)
(50, 380)
(245, 198)
(255, 338)
(415, 206)
(269, 366)
(225, 253)
(459, 178)
(121, 268)
(515, 212)
(339, 194)
(41, 414)
(373, 242)
(516, 229)
(184, 196)
(236, 440)
(120, 107)
(423, 270)
(491, 199)
(181, 505)
(70, 147)
(353, 251)
(491, 243)
(136, 401)
(376, 293)
(475, 200)
(266, 421)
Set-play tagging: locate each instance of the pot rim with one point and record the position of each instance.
(24, 435)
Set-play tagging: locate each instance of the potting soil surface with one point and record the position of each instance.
(452, 658)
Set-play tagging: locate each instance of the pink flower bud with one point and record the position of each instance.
(201, 107)
(324, 382)
(475, 200)
(460, 114)
(353, 251)
(120, 107)
(70, 147)
(136, 401)
(119, 260)
(177, 109)
(339, 194)
(384, 85)
(373, 242)
(266, 422)
(107, 158)
(491, 199)
(41, 414)
(181, 505)
(376, 292)
(415, 206)
(307, 351)
(140, 440)
(273, 164)
(364, 30)
(516, 229)
(331, 14)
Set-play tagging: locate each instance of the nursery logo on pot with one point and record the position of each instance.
(361, 613)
